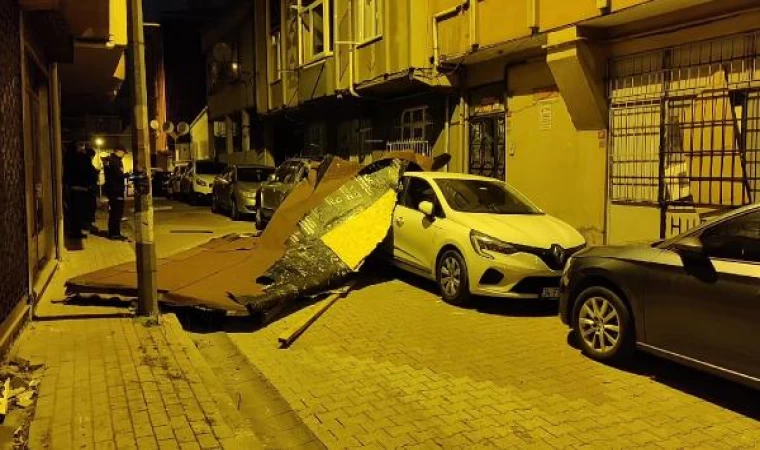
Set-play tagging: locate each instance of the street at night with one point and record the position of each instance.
(385, 224)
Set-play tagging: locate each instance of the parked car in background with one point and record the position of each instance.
(272, 193)
(173, 184)
(235, 190)
(694, 298)
(197, 182)
(159, 180)
(477, 235)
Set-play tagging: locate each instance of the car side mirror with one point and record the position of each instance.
(426, 208)
(689, 247)
(270, 178)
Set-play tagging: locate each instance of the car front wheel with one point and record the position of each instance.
(603, 325)
(452, 278)
(260, 225)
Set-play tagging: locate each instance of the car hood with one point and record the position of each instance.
(535, 230)
(637, 251)
(207, 178)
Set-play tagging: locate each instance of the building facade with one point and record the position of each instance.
(39, 49)
(629, 119)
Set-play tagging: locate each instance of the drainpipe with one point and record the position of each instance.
(437, 17)
(55, 97)
(533, 15)
(473, 13)
(463, 111)
(352, 45)
(352, 61)
(447, 128)
(336, 38)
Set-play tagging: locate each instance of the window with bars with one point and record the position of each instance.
(414, 123)
(685, 124)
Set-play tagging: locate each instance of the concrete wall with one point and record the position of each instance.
(560, 168)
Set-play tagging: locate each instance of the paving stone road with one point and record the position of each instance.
(393, 366)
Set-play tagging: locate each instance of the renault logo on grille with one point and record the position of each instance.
(558, 253)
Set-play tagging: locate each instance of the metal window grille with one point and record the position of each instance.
(13, 247)
(685, 125)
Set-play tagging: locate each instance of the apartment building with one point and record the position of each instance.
(629, 119)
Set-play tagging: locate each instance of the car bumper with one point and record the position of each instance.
(202, 191)
(565, 289)
(246, 205)
(518, 276)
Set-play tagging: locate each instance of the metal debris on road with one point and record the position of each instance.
(288, 337)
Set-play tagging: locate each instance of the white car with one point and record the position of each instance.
(198, 180)
(478, 236)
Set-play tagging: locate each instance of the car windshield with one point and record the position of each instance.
(254, 174)
(209, 168)
(482, 196)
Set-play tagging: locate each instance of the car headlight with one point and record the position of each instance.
(200, 182)
(484, 245)
(248, 194)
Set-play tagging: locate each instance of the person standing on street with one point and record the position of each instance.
(76, 182)
(92, 191)
(115, 189)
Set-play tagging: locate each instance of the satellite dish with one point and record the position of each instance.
(154, 125)
(168, 127)
(222, 53)
(183, 128)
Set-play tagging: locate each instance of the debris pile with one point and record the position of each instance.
(318, 237)
(20, 382)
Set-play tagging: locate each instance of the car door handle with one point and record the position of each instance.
(399, 221)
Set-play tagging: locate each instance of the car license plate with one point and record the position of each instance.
(550, 292)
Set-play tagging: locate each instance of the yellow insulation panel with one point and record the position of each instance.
(357, 237)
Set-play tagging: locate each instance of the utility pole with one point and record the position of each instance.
(147, 294)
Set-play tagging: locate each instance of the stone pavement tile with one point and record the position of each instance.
(106, 445)
(207, 441)
(147, 442)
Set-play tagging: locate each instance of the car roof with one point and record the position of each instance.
(448, 176)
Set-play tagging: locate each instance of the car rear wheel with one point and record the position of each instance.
(603, 325)
(452, 278)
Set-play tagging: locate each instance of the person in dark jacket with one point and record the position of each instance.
(115, 189)
(76, 180)
(92, 191)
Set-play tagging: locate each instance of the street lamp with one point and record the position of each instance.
(99, 142)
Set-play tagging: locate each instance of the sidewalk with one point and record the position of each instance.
(117, 383)
(114, 381)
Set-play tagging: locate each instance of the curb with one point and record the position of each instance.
(244, 436)
(262, 378)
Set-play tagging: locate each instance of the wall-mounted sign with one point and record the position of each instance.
(545, 116)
